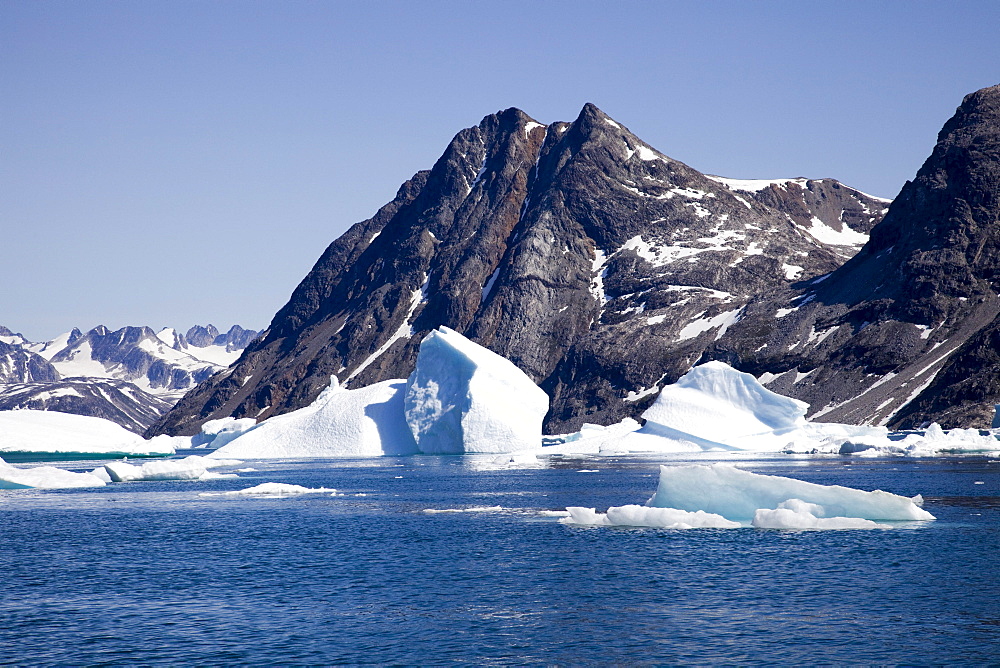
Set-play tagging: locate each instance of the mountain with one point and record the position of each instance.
(116, 400)
(131, 375)
(598, 265)
(907, 331)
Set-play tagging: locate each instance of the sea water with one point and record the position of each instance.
(155, 572)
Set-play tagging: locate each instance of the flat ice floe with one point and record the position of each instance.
(188, 468)
(738, 494)
(48, 432)
(273, 489)
(44, 477)
(723, 496)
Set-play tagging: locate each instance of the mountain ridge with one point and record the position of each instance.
(551, 245)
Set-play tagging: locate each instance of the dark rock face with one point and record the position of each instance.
(601, 267)
(904, 332)
(21, 366)
(115, 400)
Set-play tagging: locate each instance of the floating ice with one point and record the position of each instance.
(44, 477)
(475, 509)
(31, 431)
(797, 514)
(366, 422)
(722, 496)
(216, 433)
(718, 407)
(644, 516)
(463, 398)
(272, 489)
(189, 468)
(737, 495)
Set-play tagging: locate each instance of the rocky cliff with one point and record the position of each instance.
(600, 266)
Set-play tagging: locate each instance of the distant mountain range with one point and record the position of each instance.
(131, 375)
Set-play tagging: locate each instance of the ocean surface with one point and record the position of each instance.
(155, 573)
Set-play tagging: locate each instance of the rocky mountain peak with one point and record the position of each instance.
(594, 262)
(865, 344)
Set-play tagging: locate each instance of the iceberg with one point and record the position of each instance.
(49, 432)
(44, 477)
(737, 495)
(464, 398)
(367, 422)
(189, 468)
(720, 408)
(725, 497)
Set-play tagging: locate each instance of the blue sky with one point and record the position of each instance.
(173, 163)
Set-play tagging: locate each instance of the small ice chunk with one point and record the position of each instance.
(278, 489)
(464, 398)
(216, 433)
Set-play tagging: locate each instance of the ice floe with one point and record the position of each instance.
(644, 516)
(723, 496)
(188, 468)
(716, 406)
(273, 489)
(44, 477)
(737, 494)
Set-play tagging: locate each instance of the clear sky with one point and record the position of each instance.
(172, 163)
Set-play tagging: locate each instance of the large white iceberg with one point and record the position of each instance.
(737, 495)
(718, 407)
(464, 398)
(50, 432)
(44, 477)
(366, 422)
